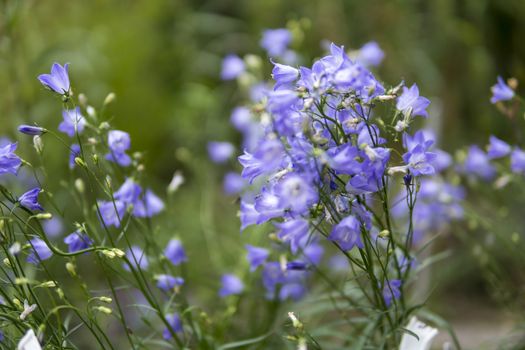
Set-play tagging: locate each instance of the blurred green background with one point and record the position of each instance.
(162, 59)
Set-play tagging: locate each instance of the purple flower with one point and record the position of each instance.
(497, 148)
(129, 192)
(58, 80)
(370, 54)
(168, 283)
(77, 241)
(294, 231)
(73, 122)
(313, 253)
(284, 75)
(148, 206)
(175, 325)
(233, 183)
(517, 161)
(112, 213)
(9, 161)
(175, 252)
(268, 157)
(501, 91)
(74, 152)
(276, 41)
(241, 118)
(29, 199)
(230, 285)
(391, 291)
(295, 193)
(119, 142)
(137, 258)
(419, 161)
(39, 251)
(31, 130)
(53, 227)
(282, 100)
(478, 163)
(220, 152)
(347, 233)
(256, 256)
(232, 67)
(410, 100)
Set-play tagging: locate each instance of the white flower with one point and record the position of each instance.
(29, 342)
(424, 332)
(28, 309)
(176, 182)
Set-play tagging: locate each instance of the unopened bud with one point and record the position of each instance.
(106, 300)
(38, 144)
(79, 185)
(253, 62)
(91, 111)
(295, 321)
(82, 99)
(21, 281)
(44, 216)
(15, 248)
(47, 284)
(119, 253)
(103, 309)
(384, 233)
(80, 162)
(104, 126)
(109, 253)
(70, 267)
(7, 262)
(109, 98)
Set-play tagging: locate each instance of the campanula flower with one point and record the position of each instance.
(175, 252)
(119, 142)
(232, 67)
(39, 251)
(294, 232)
(112, 213)
(9, 161)
(420, 337)
(168, 283)
(29, 199)
(148, 206)
(77, 241)
(284, 75)
(497, 148)
(419, 161)
(295, 193)
(73, 122)
(370, 54)
(391, 291)
(230, 285)
(241, 119)
(347, 233)
(276, 41)
(411, 101)
(256, 256)
(74, 152)
(478, 163)
(58, 80)
(128, 193)
(220, 152)
(31, 130)
(233, 183)
(175, 325)
(53, 227)
(501, 91)
(517, 161)
(137, 258)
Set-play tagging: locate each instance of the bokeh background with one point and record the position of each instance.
(162, 60)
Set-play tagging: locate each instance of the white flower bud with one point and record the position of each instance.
(38, 144)
(176, 182)
(109, 98)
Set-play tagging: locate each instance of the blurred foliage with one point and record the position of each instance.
(162, 59)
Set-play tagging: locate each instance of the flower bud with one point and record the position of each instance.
(119, 253)
(70, 267)
(108, 253)
(79, 185)
(21, 281)
(106, 300)
(31, 130)
(91, 111)
(104, 309)
(82, 99)
(38, 144)
(104, 126)
(44, 216)
(109, 98)
(80, 162)
(7, 262)
(15, 248)
(47, 284)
